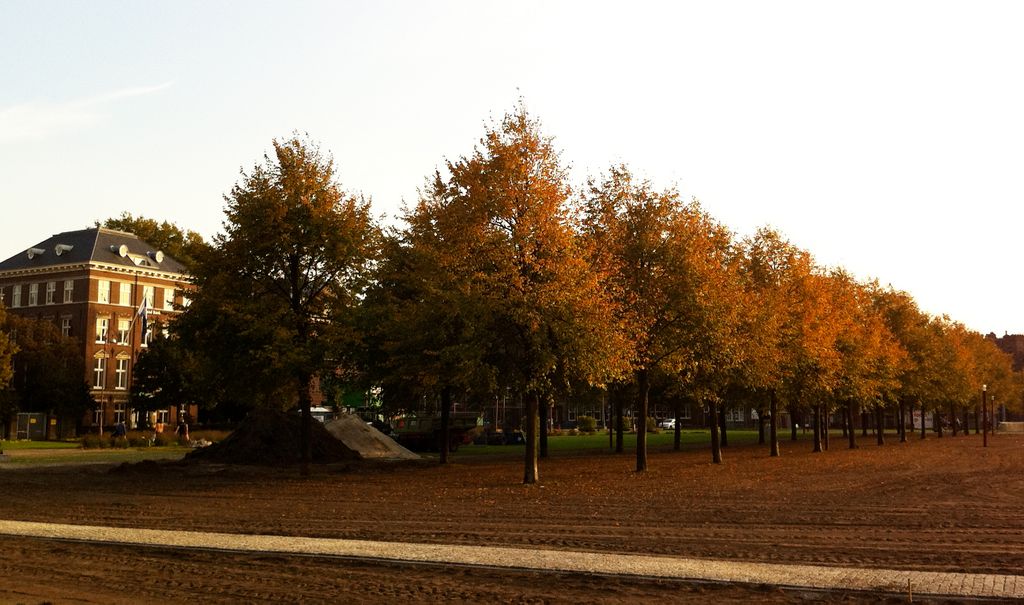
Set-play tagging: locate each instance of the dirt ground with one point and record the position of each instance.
(942, 504)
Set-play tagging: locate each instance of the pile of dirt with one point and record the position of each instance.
(366, 440)
(272, 438)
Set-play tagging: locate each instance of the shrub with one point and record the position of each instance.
(165, 438)
(95, 441)
(652, 425)
(586, 424)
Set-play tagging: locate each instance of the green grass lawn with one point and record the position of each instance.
(6, 445)
(599, 442)
(72, 454)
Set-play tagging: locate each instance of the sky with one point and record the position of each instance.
(883, 137)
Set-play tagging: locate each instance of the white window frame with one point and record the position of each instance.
(168, 298)
(120, 412)
(51, 289)
(148, 293)
(102, 329)
(121, 374)
(103, 291)
(69, 290)
(97, 415)
(123, 330)
(685, 412)
(147, 336)
(124, 296)
(15, 296)
(65, 326)
(99, 373)
(33, 295)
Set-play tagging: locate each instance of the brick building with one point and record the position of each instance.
(92, 284)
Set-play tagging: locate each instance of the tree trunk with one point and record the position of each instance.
(903, 420)
(677, 437)
(846, 420)
(977, 421)
(825, 427)
(792, 423)
(851, 434)
(530, 474)
(967, 422)
(937, 422)
(716, 447)
(446, 423)
(880, 424)
(923, 431)
(816, 412)
(760, 426)
(306, 424)
(724, 439)
(773, 424)
(864, 423)
(545, 415)
(619, 425)
(952, 418)
(643, 383)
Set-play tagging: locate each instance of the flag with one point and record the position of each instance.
(142, 313)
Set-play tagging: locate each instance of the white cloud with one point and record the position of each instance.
(39, 120)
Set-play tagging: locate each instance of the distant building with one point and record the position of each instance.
(92, 284)
(1012, 344)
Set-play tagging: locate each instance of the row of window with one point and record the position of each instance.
(33, 293)
(121, 414)
(104, 335)
(99, 373)
(103, 294)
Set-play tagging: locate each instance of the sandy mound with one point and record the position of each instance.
(271, 438)
(368, 441)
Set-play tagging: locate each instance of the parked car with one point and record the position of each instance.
(668, 423)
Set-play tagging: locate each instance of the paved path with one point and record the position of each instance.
(800, 576)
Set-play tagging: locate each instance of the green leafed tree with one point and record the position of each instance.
(275, 295)
(184, 245)
(49, 371)
(500, 276)
(666, 265)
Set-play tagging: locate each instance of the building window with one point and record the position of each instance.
(51, 289)
(33, 295)
(684, 412)
(2, 299)
(65, 326)
(148, 336)
(119, 412)
(168, 298)
(103, 291)
(123, 326)
(102, 329)
(125, 296)
(15, 295)
(99, 372)
(121, 373)
(147, 293)
(69, 290)
(734, 415)
(97, 416)
(162, 416)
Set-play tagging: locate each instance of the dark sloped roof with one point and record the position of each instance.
(92, 245)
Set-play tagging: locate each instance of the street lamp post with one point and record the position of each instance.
(993, 415)
(984, 416)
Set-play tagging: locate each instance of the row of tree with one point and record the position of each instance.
(502, 278)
